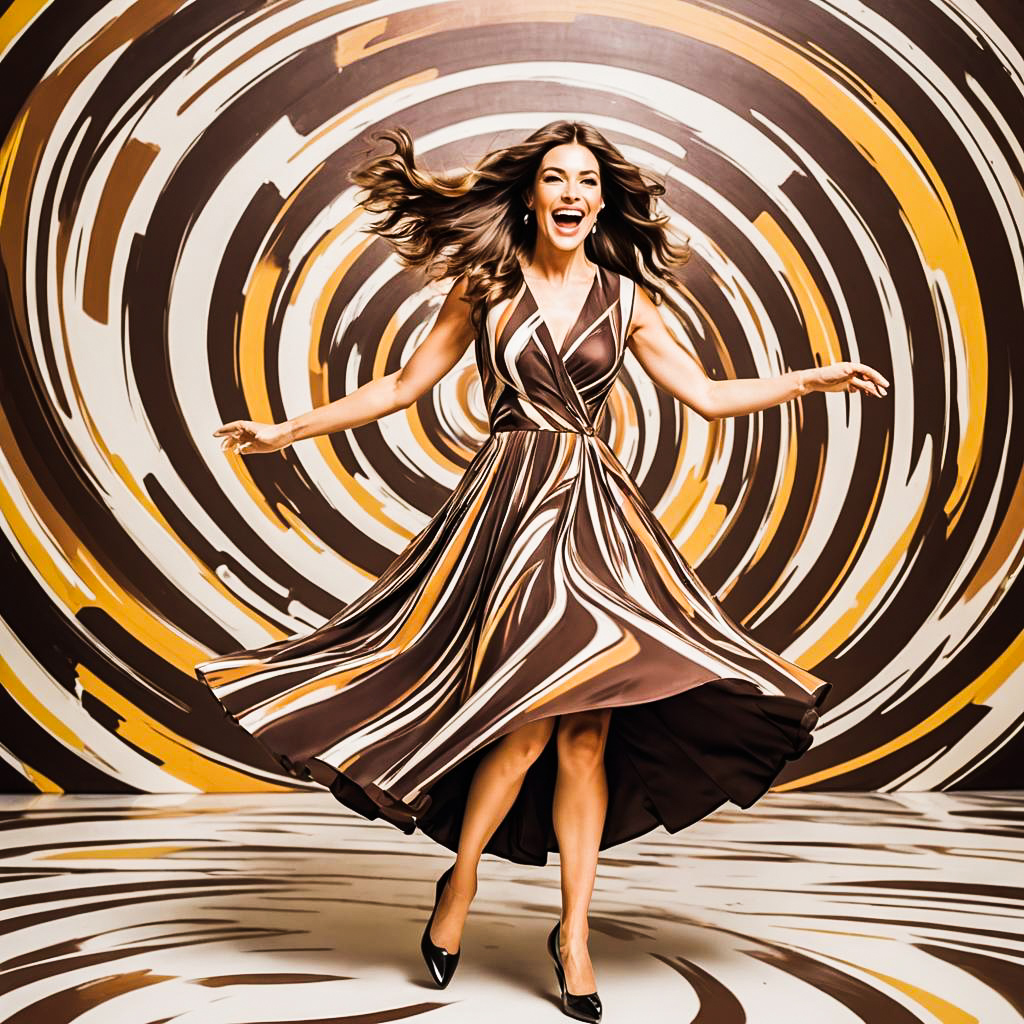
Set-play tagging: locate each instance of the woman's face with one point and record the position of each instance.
(568, 179)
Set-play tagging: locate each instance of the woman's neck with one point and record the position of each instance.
(557, 267)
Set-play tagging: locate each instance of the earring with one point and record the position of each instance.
(526, 217)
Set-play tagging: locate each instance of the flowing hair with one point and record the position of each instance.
(471, 221)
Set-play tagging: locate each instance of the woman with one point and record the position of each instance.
(581, 685)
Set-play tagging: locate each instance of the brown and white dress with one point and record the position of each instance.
(543, 586)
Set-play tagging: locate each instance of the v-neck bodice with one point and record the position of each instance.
(529, 384)
(529, 296)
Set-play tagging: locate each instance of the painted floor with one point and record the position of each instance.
(251, 909)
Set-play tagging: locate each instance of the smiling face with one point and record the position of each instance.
(566, 195)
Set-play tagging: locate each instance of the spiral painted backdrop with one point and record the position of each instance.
(181, 247)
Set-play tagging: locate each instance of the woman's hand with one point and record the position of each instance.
(845, 376)
(248, 438)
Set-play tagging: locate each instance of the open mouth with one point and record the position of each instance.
(567, 221)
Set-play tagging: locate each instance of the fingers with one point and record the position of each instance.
(238, 440)
(864, 378)
(229, 428)
(236, 436)
(866, 386)
(234, 445)
(872, 374)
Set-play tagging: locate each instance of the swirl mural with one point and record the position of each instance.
(181, 247)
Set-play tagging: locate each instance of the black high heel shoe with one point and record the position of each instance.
(440, 962)
(581, 1007)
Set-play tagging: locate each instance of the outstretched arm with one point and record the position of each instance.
(433, 358)
(674, 370)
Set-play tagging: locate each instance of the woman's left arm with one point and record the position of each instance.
(674, 370)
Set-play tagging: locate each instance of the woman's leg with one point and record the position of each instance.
(580, 803)
(496, 783)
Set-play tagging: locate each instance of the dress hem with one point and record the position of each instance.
(706, 785)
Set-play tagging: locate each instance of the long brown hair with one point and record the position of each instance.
(471, 221)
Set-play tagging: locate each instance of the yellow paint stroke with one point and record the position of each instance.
(689, 491)
(999, 551)
(698, 543)
(318, 378)
(251, 369)
(42, 782)
(822, 336)
(7, 152)
(252, 374)
(824, 343)
(463, 384)
(36, 709)
(941, 1009)
(117, 852)
(175, 754)
(688, 495)
(847, 621)
(977, 692)
(301, 530)
(18, 16)
(778, 509)
(437, 456)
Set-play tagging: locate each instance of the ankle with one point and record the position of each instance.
(573, 934)
(462, 885)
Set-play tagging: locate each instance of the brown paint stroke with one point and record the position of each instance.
(1001, 975)
(69, 1005)
(717, 1004)
(126, 174)
(21, 978)
(857, 996)
(267, 979)
(374, 1017)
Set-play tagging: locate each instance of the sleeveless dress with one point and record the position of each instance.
(544, 585)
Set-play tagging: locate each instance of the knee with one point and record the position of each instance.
(522, 747)
(581, 740)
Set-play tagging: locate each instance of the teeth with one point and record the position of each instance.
(578, 214)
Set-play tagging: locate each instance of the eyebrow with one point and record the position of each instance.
(562, 169)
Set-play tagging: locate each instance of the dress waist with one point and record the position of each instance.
(589, 431)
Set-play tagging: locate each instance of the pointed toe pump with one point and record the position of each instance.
(580, 1007)
(439, 961)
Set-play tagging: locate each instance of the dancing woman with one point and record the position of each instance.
(586, 687)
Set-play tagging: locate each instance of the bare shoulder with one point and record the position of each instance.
(455, 317)
(454, 307)
(642, 310)
(456, 290)
(459, 286)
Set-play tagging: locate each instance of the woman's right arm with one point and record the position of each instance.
(442, 348)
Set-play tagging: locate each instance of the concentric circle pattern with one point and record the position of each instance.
(181, 247)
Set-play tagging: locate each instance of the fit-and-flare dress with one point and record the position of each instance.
(544, 585)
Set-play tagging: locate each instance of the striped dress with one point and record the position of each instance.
(543, 586)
